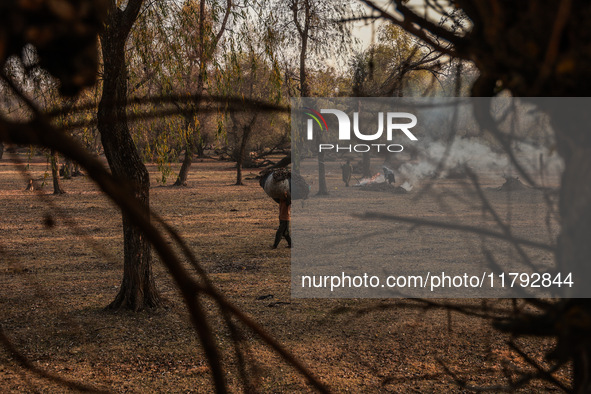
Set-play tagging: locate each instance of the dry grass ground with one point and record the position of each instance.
(330, 240)
(56, 281)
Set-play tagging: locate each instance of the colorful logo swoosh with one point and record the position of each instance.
(317, 117)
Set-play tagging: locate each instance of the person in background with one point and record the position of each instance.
(347, 169)
(284, 219)
(389, 175)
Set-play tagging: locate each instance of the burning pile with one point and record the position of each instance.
(377, 178)
(377, 183)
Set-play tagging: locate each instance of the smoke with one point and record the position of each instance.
(406, 186)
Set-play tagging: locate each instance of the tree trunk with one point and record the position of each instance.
(239, 162)
(239, 172)
(181, 179)
(366, 165)
(304, 35)
(55, 174)
(138, 290)
(199, 147)
(1, 150)
(322, 189)
(241, 155)
(67, 169)
(303, 72)
(188, 160)
(246, 131)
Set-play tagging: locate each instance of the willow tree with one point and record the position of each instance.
(251, 76)
(316, 24)
(138, 290)
(179, 40)
(197, 45)
(397, 65)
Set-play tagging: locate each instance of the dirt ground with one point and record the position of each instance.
(331, 240)
(55, 282)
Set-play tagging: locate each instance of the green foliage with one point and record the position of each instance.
(397, 65)
(176, 51)
(163, 156)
